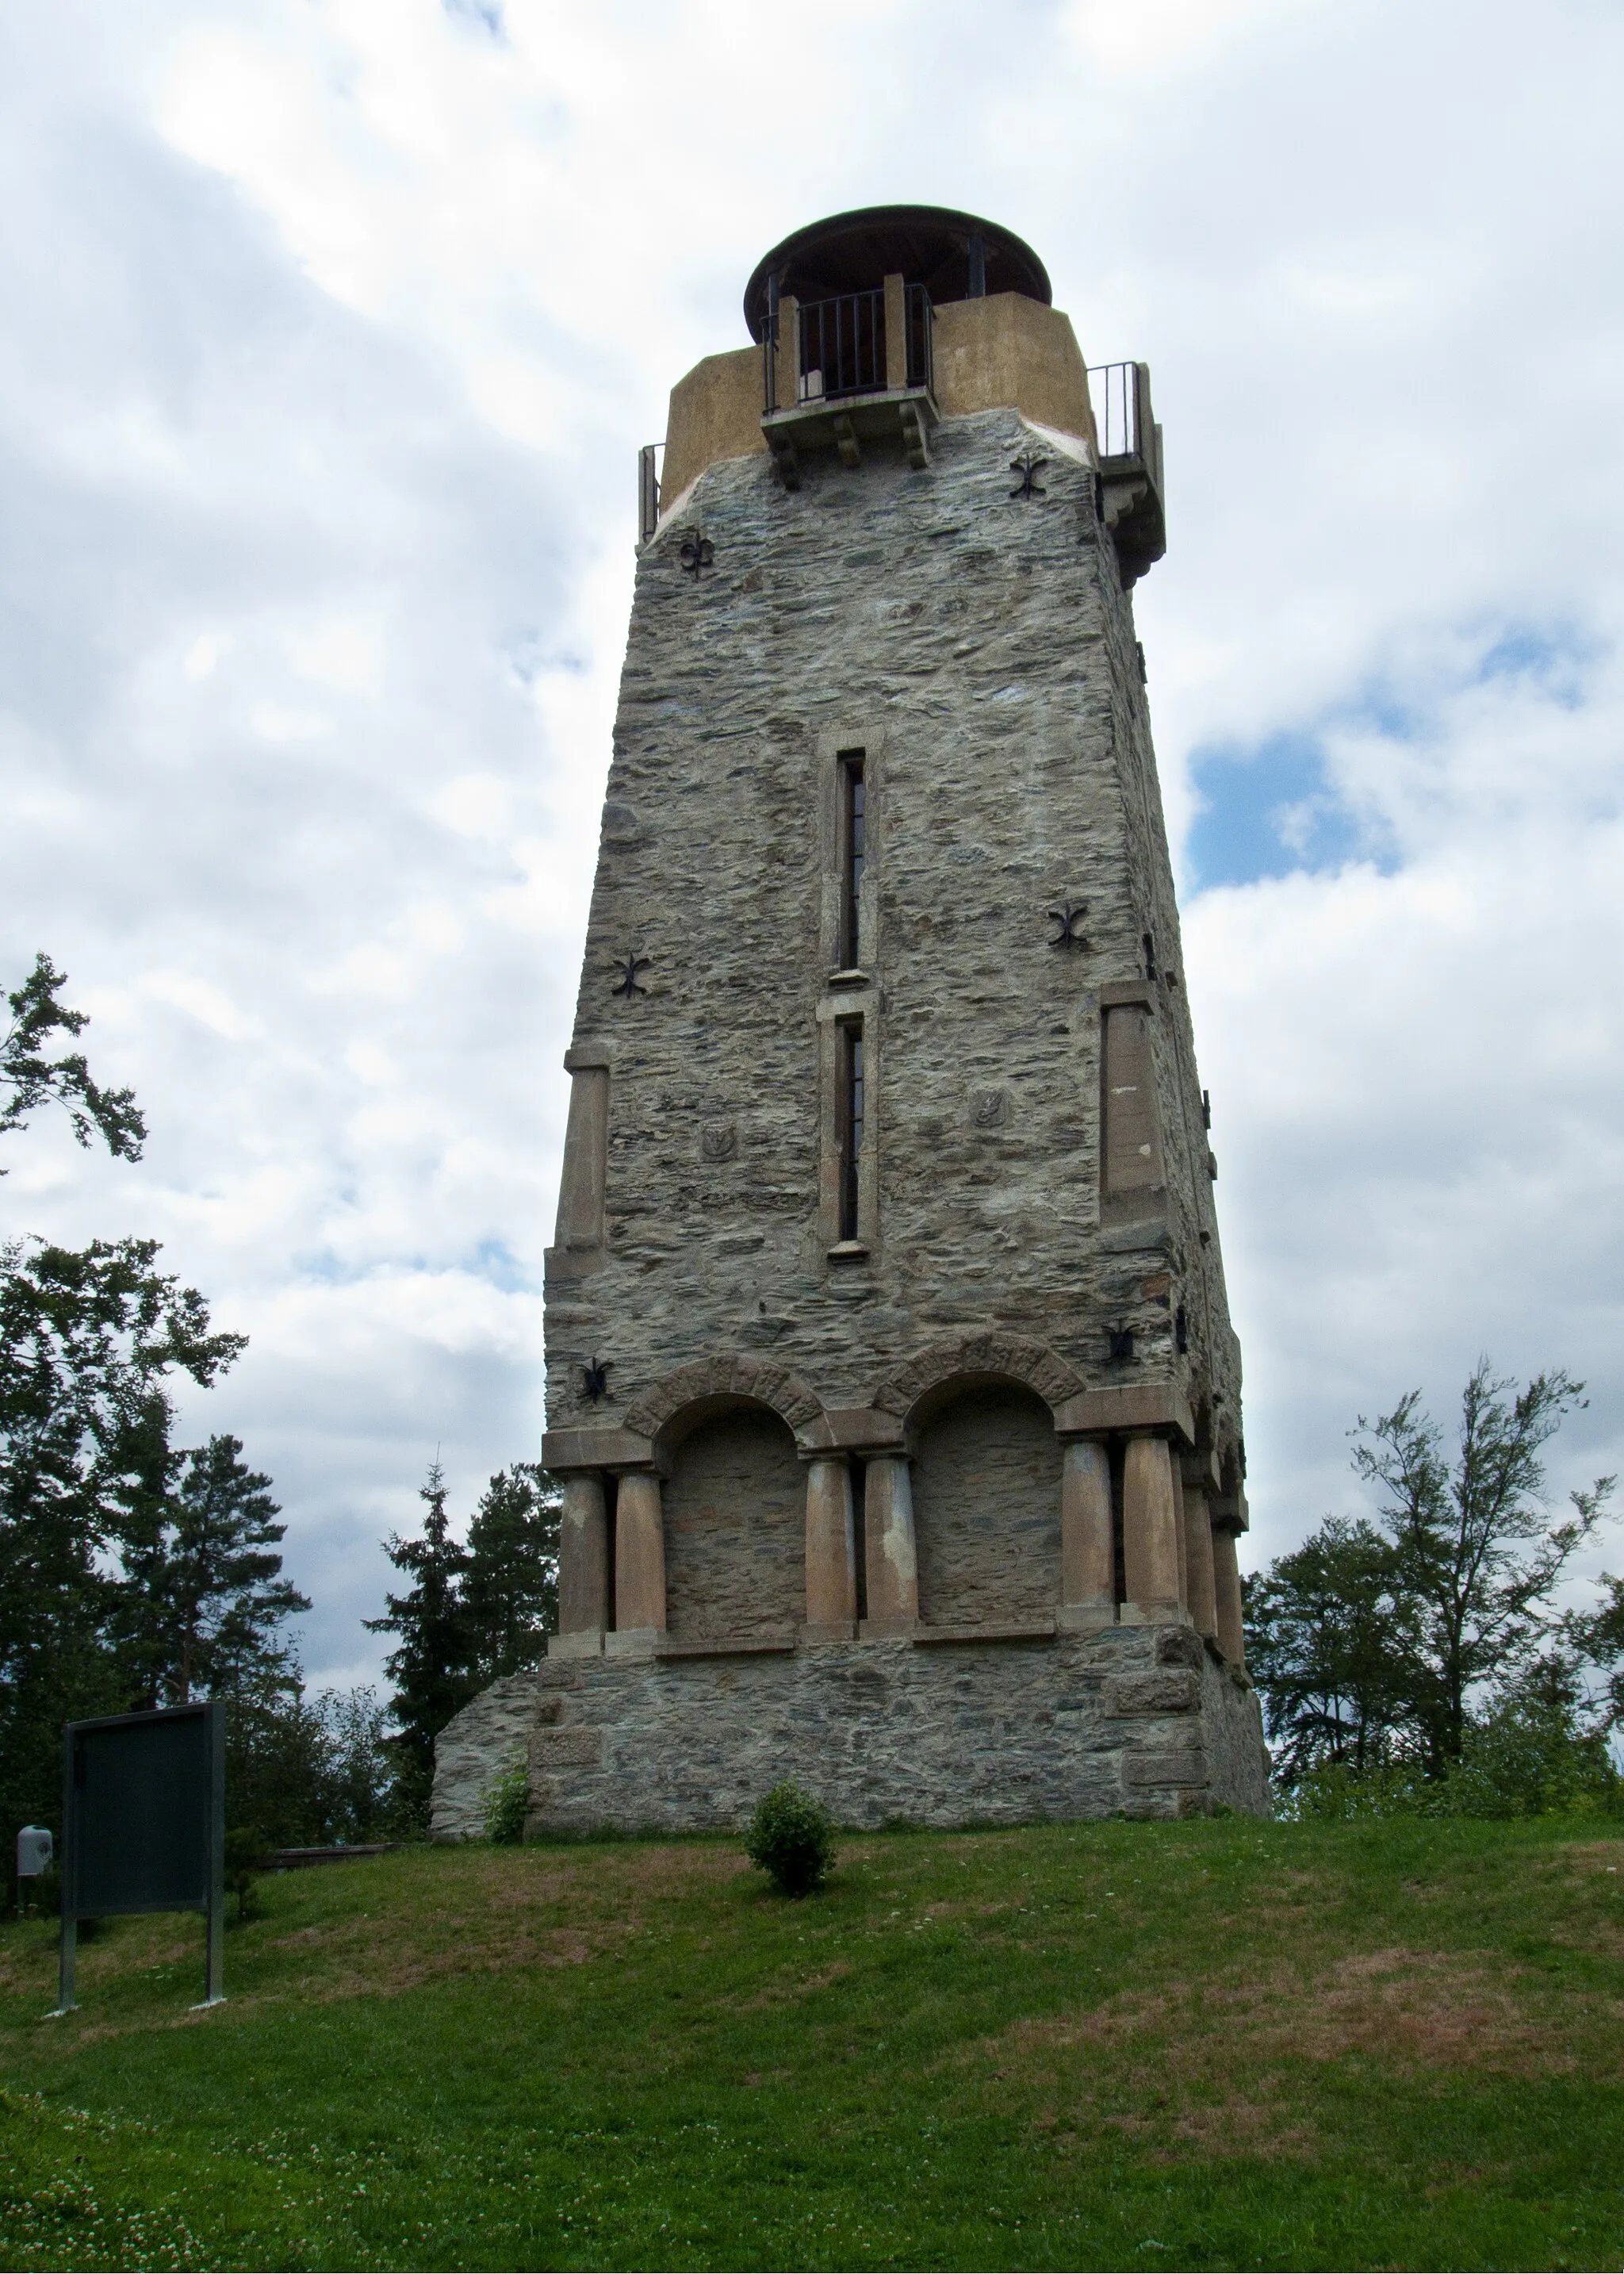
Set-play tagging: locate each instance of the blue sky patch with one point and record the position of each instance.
(1268, 812)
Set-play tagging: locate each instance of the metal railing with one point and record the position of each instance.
(841, 346)
(1119, 393)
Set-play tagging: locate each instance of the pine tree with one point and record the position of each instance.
(512, 1582)
(434, 1668)
(204, 1600)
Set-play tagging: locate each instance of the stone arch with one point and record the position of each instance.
(696, 1394)
(947, 1369)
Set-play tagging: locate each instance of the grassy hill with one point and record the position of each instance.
(1214, 2044)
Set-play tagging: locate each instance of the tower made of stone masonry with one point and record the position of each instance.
(889, 1375)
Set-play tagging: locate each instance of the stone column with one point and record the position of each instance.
(584, 1557)
(1087, 1550)
(1227, 1589)
(1151, 1520)
(1199, 1562)
(831, 1568)
(896, 332)
(787, 363)
(893, 1567)
(639, 1555)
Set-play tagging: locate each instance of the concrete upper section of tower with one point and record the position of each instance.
(897, 303)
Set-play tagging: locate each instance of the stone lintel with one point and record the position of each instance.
(564, 1449)
(1159, 1408)
(560, 1264)
(1199, 1472)
(590, 1057)
(1117, 994)
(589, 1642)
(1009, 1630)
(633, 1642)
(817, 1631)
(1138, 1236)
(1085, 1618)
(851, 1429)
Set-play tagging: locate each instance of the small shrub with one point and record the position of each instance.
(792, 1839)
(507, 1804)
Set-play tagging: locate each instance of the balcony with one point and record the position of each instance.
(1129, 460)
(847, 370)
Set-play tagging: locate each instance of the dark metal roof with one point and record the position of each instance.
(928, 245)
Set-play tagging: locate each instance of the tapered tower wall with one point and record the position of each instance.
(888, 1200)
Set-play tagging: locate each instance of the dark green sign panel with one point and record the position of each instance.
(143, 1810)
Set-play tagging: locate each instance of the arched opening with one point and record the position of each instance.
(986, 1509)
(735, 1508)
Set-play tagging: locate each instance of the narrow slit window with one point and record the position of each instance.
(852, 1112)
(853, 853)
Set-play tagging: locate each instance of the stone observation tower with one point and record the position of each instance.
(889, 1375)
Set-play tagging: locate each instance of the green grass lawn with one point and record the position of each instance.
(1211, 2043)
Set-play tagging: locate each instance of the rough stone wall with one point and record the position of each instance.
(981, 646)
(735, 1508)
(1138, 1721)
(987, 1510)
(485, 1739)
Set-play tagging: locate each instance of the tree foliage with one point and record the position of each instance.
(88, 1339)
(432, 1665)
(1406, 1649)
(28, 1077)
(1332, 1634)
(471, 1614)
(204, 1604)
(511, 1588)
(131, 1573)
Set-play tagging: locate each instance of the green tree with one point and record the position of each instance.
(1479, 1554)
(434, 1666)
(511, 1586)
(1332, 1634)
(1383, 1650)
(88, 1339)
(205, 1602)
(28, 1077)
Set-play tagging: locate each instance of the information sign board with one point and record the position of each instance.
(143, 1823)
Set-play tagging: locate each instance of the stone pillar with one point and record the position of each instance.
(1199, 1562)
(893, 1567)
(1227, 1589)
(787, 363)
(831, 1568)
(584, 1557)
(1087, 1550)
(896, 332)
(1151, 1520)
(639, 1555)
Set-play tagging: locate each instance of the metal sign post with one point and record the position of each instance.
(142, 1826)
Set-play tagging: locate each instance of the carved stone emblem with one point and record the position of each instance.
(719, 1141)
(990, 1107)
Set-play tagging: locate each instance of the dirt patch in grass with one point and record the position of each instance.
(1180, 2054)
(345, 1964)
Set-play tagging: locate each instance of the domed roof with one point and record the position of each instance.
(927, 244)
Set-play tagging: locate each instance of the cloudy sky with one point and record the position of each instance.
(332, 328)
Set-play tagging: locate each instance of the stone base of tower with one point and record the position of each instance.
(1128, 1721)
